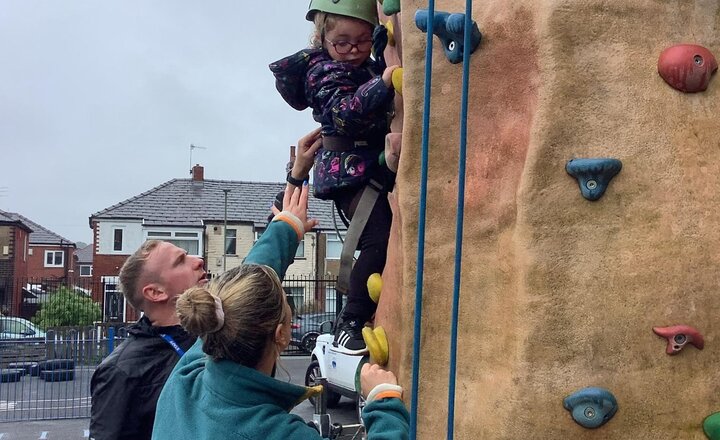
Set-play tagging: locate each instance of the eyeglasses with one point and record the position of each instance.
(344, 47)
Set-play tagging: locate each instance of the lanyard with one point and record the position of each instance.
(173, 344)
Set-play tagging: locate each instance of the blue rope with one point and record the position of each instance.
(421, 222)
(459, 220)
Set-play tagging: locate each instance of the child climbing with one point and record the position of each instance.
(351, 95)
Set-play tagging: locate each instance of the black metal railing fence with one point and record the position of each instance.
(54, 333)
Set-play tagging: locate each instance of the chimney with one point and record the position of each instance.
(198, 173)
(290, 164)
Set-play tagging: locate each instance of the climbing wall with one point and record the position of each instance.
(560, 293)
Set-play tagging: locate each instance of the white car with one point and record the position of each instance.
(12, 327)
(341, 370)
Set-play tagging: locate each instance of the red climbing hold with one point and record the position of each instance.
(687, 67)
(679, 335)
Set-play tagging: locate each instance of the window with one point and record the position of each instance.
(117, 239)
(159, 234)
(188, 241)
(298, 297)
(299, 253)
(333, 247)
(85, 270)
(230, 241)
(330, 299)
(54, 258)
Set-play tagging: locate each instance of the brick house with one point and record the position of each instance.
(49, 254)
(83, 262)
(30, 253)
(191, 213)
(14, 240)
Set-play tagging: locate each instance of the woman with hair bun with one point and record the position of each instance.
(223, 387)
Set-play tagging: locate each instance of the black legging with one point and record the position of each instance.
(373, 254)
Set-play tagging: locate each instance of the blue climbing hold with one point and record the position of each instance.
(593, 175)
(591, 407)
(450, 29)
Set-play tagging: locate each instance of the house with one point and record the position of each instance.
(29, 254)
(14, 238)
(49, 255)
(82, 262)
(218, 220)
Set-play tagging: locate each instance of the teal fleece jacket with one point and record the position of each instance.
(205, 399)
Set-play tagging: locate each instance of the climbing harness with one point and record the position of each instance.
(364, 208)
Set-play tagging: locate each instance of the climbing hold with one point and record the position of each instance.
(591, 407)
(687, 67)
(376, 342)
(593, 175)
(393, 145)
(449, 28)
(390, 7)
(374, 282)
(358, 384)
(390, 32)
(397, 77)
(711, 426)
(678, 336)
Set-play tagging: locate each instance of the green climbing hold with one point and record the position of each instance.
(711, 426)
(390, 7)
(381, 158)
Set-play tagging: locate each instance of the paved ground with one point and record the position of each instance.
(68, 399)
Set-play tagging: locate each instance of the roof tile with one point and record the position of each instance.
(184, 202)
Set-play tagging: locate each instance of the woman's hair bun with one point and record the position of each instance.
(196, 309)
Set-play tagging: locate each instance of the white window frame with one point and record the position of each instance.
(54, 264)
(330, 299)
(81, 267)
(122, 239)
(334, 238)
(175, 235)
(226, 237)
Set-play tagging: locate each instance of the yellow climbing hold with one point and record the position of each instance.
(374, 285)
(397, 81)
(377, 344)
(391, 32)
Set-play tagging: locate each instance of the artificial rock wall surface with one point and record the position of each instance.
(560, 293)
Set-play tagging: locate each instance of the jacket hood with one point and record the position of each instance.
(290, 76)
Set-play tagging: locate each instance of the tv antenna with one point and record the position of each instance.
(193, 147)
(3, 191)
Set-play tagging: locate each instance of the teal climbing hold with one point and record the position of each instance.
(591, 407)
(593, 175)
(711, 426)
(390, 7)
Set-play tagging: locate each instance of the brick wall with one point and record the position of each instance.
(36, 262)
(21, 258)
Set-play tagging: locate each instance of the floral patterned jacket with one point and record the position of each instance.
(346, 100)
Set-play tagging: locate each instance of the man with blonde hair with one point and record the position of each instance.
(126, 385)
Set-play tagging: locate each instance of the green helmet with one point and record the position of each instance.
(365, 10)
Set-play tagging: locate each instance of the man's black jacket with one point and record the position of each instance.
(126, 385)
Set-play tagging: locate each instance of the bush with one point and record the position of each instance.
(67, 308)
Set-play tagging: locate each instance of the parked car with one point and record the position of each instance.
(12, 327)
(306, 329)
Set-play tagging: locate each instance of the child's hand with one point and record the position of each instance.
(387, 75)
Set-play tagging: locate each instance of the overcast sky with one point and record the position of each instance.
(100, 100)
